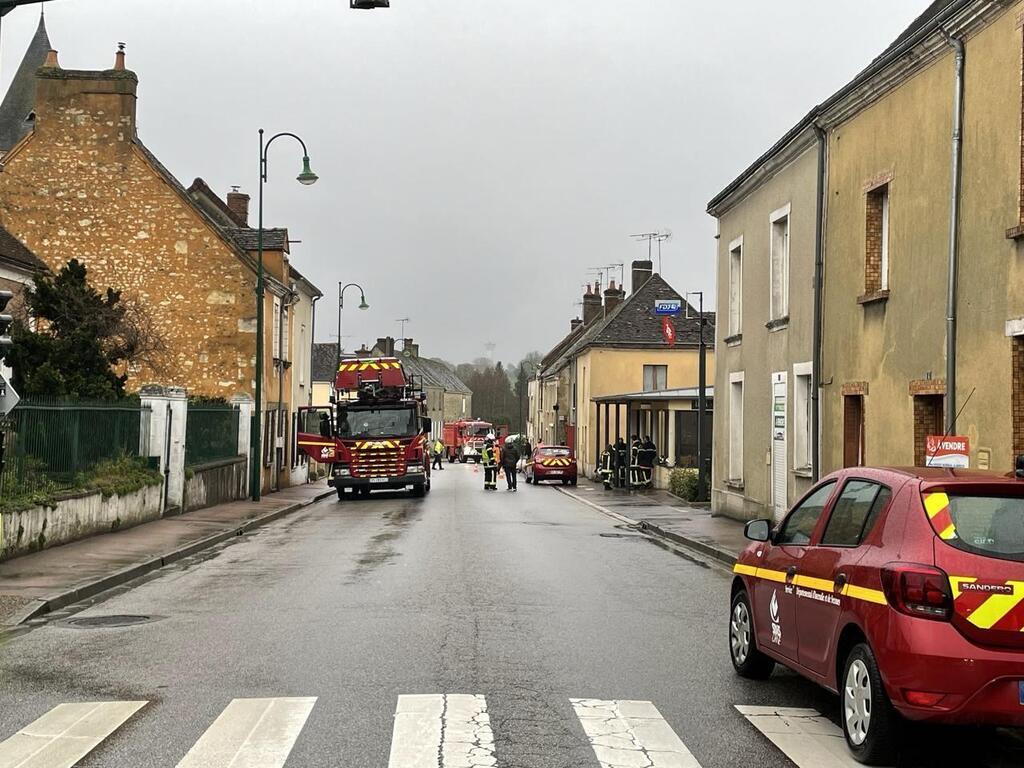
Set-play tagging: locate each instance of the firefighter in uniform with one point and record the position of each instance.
(607, 470)
(621, 463)
(438, 453)
(489, 460)
(634, 460)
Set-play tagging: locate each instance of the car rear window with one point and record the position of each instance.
(985, 525)
(554, 451)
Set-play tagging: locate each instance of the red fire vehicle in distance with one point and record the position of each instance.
(464, 439)
(375, 435)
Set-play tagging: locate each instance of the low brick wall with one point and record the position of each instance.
(75, 517)
(215, 483)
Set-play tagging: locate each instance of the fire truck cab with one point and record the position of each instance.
(375, 435)
(464, 439)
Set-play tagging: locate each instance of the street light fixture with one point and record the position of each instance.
(341, 306)
(307, 177)
(369, 5)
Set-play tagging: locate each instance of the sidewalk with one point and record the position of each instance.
(669, 517)
(53, 578)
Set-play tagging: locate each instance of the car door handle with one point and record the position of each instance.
(840, 582)
(790, 573)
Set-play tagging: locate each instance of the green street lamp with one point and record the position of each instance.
(307, 177)
(341, 306)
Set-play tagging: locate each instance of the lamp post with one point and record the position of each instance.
(341, 306)
(307, 178)
(702, 403)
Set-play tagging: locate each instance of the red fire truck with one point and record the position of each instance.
(375, 435)
(464, 439)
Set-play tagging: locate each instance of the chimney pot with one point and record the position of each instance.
(51, 60)
(119, 57)
(575, 323)
(613, 297)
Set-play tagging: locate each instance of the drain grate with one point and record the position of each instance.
(106, 622)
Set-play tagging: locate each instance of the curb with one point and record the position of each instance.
(599, 508)
(88, 589)
(717, 553)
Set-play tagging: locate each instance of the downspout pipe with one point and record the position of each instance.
(956, 173)
(819, 282)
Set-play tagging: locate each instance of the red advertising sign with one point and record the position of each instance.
(668, 331)
(952, 451)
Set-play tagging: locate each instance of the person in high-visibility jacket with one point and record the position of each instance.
(490, 462)
(438, 454)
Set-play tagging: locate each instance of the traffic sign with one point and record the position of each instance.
(668, 306)
(8, 397)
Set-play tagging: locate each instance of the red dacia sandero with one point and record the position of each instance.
(900, 589)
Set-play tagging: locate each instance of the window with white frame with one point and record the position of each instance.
(276, 332)
(736, 287)
(736, 427)
(655, 378)
(286, 353)
(803, 402)
(780, 264)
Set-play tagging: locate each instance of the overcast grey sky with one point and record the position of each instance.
(476, 157)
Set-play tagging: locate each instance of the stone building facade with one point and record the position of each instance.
(78, 182)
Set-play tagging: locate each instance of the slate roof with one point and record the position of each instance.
(248, 238)
(429, 372)
(14, 252)
(324, 362)
(559, 348)
(228, 217)
(20, 99)
(633, 324)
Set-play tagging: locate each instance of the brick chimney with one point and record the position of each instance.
(119, 57)
(592, 304)
(93, 109)
(386, 346)
(362, 351)
(410, 349)
(613, 296)
(574, 324)
(238, 202)
(642, 271)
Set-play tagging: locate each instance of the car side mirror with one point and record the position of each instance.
(758, 530)
(428, 425)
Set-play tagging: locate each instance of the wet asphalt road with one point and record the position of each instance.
(528, 599)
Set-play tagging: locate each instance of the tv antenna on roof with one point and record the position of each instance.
(403, 321)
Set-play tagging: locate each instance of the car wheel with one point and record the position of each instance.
(417, 492)
(573, 483)
(565, 482)
(748, 661)
(341, 494)
(870, 723)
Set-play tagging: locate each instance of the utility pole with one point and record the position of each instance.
(702, 403)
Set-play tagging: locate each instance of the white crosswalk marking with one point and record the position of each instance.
(803, 735)
(65, 734)
(631, 733)
(442, 731)
(251, 733)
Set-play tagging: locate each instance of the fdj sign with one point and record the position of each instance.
(668, 307)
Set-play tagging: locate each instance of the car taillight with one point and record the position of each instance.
(918, 590)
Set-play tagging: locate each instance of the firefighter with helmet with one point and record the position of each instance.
(490, 462)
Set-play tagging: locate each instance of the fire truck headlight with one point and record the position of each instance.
(342, 472)
(415, 468)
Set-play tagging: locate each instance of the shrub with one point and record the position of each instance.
(118, 477)
(683, 483)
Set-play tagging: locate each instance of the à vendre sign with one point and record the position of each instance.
(952, 451)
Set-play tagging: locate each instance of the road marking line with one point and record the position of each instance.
(624, 733)
(65, 734)
(803, 735)
(251, 733)
(442, 731)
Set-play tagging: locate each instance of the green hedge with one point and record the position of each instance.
(683, 483)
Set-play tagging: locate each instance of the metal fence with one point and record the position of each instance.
(211, 434)
(53, 445)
